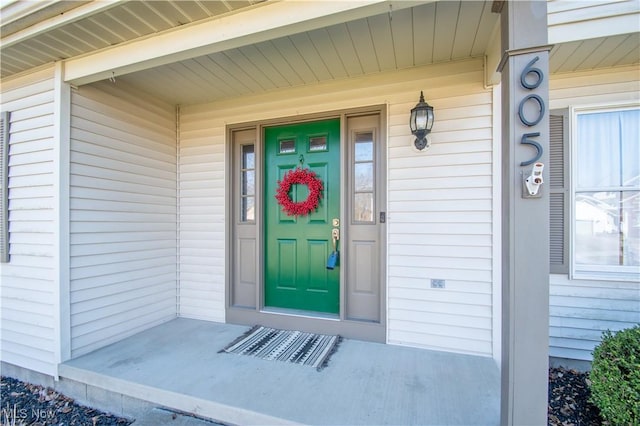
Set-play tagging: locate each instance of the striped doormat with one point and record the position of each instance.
(285, 345)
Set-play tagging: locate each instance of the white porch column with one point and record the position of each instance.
(525, 226)
(61, 173)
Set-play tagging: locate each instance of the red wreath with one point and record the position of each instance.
(301, 177)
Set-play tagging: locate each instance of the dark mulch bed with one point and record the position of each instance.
(34, 405)
(27, 404)
(569, 399)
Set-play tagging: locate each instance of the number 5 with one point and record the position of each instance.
(526, 141)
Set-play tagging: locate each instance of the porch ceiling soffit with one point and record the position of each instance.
(379, 44)
(23, 20)
(266, 21)
(35, 33)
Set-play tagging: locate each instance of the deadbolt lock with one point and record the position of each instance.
(335, 222)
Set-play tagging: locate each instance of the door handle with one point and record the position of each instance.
(334, 255)
(335, 237)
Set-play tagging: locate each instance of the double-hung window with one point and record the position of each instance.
(594, 189)
(605, 190)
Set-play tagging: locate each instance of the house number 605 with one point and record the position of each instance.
(527, 137)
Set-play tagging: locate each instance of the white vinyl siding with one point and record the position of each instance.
(580, 310)
(4, 190)
(579, 21)
(601, 87)
(440, 221)
(439, 209)
(27, 281)
(202, 217)
(122, 215)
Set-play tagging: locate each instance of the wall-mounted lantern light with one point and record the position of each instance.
(421, 122)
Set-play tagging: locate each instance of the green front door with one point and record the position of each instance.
(297, 248)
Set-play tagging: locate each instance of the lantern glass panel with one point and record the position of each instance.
(421, 119)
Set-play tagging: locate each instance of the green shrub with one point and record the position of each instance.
(615, 377)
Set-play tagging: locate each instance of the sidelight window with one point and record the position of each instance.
(363, 177)
(248, 184)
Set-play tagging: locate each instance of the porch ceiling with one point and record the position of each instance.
(602, 52)
(420, 35)
(428, 32)
(36, 33)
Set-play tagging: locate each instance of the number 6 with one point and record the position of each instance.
(529, 69)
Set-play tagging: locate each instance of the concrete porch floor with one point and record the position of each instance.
(177, 365)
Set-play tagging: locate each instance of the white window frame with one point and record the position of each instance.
(593, 272)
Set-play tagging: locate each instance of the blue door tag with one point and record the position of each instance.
(333, 259)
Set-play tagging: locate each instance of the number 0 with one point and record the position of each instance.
(540, 102)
